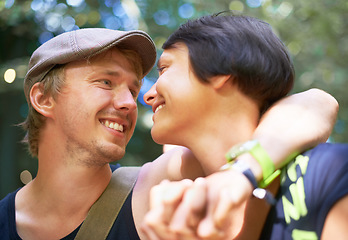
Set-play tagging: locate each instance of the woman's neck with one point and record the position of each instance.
(210, 146)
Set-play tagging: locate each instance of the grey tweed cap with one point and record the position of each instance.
(82, 44)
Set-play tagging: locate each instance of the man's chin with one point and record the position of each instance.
(117, 156)
(112, 155)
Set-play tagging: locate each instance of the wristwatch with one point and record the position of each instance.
(244, 168)
(261, 156)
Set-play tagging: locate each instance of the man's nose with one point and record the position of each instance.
(124, 100)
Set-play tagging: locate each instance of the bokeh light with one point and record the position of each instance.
(61, 8)
(26, 177)
(10, 75)
(130, 23)
(53, 21)
(45, 36)
(146, 120)
(9, 3)
(294, 48)
(186, 10)
(285, 9)
(81, 19)
(236, 6)
(93, 17)
(254, 3)
(68, 23)
(112, 22)
(118, 10)
(74, 3)
(131, 8)
(36, 5)
(161, 17)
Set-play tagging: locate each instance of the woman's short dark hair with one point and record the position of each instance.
(241, 46)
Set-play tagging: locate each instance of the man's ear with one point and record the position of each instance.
(221, 80)
(42, 103)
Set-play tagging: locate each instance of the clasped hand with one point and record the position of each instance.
(207, 208)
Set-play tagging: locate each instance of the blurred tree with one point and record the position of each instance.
(314, 31)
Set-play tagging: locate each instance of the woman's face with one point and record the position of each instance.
(178, 99)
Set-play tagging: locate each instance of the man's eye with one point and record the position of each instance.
(134, 93)
(106, 82)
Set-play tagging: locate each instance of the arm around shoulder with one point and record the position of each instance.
(322, 105)
(296, 123)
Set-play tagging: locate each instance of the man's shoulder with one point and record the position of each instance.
(7, 211)
(114, 166)
(7, 201)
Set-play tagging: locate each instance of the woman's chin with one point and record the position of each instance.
(160, 137)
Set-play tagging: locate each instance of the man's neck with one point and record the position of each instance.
(57, 201)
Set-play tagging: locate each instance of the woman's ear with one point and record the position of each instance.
(42, 103)
(221, 80)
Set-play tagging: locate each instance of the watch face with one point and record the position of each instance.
(240, 166)
(239, 149)
(249, 145)
(259, 193)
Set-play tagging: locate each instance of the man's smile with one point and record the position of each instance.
(112, 125)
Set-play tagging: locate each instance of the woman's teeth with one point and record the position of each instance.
(159, 107)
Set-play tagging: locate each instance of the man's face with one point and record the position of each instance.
(96, 111)
(178, 99)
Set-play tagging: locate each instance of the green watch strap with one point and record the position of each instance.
(246, 171)
(263, 159)
(261, 156)
(265, 182)
(267, 166)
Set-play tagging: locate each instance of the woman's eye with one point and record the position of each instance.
(160, 70)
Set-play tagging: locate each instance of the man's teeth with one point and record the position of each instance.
(159, 107)
(113, 125)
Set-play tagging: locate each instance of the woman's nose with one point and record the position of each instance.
(150, 96)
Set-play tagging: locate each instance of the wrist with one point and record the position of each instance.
(244, 168)
(264, 171)
(253, 164)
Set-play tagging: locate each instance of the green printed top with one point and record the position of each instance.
(310, 185)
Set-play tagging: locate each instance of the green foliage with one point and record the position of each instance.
(314, 31)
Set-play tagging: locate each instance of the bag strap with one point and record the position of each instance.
(104, 211)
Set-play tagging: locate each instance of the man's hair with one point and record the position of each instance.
(241, 46)
(53, 84)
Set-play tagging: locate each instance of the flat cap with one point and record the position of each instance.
(82, 44)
